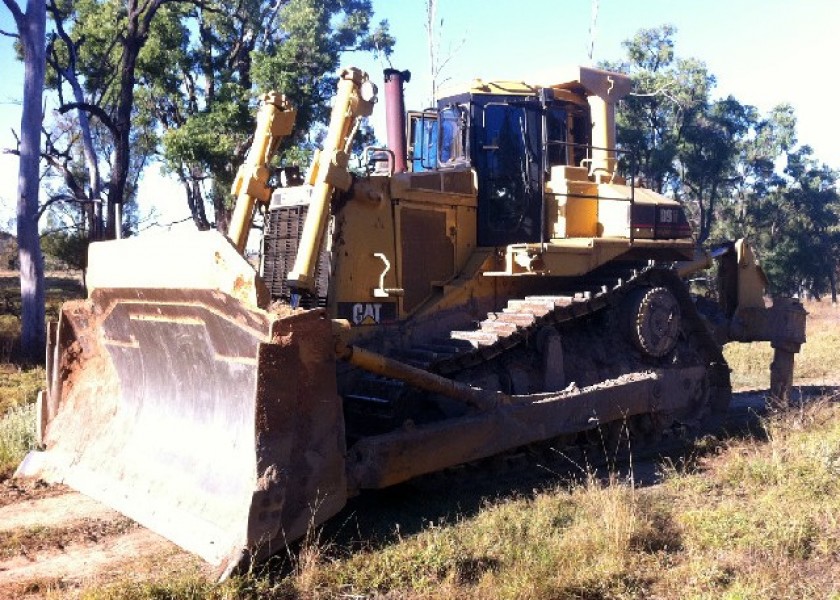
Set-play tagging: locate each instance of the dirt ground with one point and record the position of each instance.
(55, 542)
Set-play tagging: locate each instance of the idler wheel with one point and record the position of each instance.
(654, 321)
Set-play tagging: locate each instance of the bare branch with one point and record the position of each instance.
(58, 198)
(665, 92)
(96, 111)
(10, 34)
(166, 225)
(16, 150)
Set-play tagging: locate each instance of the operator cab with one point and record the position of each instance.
(511, 134)
(539, 174)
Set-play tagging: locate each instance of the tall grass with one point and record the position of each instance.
(755, 518)
(19, 386)
(17, 437)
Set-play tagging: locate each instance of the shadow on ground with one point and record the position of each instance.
(378, 518)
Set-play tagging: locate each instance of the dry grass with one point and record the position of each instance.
(33, 539)
(59, 288)
(757, 518)
(19, 385)
(17, 437)
(760, 520)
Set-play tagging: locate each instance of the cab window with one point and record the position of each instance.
(452, 136)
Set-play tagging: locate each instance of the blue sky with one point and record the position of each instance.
(764, 52)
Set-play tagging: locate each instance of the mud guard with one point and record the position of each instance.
(212, 422)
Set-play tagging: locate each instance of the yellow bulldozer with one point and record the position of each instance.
(487, 281)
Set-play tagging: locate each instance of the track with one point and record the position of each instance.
(540, 344)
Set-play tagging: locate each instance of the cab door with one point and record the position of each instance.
(507, 156)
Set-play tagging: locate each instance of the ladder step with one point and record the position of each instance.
(497, 326)
(520, 319)
(476, 338)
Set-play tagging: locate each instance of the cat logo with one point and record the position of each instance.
(368, 313)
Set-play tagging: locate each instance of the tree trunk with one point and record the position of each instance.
(95, 181)
(205, 35)
(93, 210)
(136, 34)
(122, 143)
(195, 198)
(222, 214)
(32, 27)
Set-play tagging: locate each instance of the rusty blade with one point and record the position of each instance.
(211, 422)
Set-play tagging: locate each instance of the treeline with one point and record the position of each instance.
(738, 172)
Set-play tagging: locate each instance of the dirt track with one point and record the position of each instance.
(54, 540)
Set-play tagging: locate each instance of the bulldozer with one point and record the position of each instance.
(487, 281)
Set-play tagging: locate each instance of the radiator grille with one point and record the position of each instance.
(283, 228)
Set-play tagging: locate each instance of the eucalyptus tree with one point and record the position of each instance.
(804, 216)
(102, 50)
(709, 156)
(668, 94)
(686, 144)
(31, 28)
(248, 48)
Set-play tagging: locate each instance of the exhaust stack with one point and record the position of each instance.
(395, 116)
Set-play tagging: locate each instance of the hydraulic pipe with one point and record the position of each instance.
(275, 120)
(379, 364)
(355, 99)
(684, 269)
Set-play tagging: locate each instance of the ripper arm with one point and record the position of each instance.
(741, 288)
(355, 99)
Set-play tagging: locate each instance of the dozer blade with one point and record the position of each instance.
(208, 420)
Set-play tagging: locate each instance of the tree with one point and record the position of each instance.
(31, 27)
(668, 93)
(708, 156)
(65, 67)
(686, 144)
(100, 49)
(804, 253)
(438, 61)
(293, 46)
